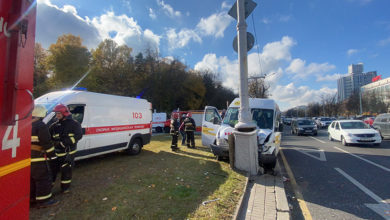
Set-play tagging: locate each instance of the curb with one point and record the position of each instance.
(282, 208)
(245, 194)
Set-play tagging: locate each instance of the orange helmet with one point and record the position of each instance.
(63, 109)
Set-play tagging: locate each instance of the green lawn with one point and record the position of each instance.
(157, 184)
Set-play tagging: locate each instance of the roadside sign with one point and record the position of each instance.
(249, 7)
(250, 42)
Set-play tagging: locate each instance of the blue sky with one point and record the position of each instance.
(306, 44)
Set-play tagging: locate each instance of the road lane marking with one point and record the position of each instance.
(308, 152)
(318, 140)
(305, 211)
(382, 208)
(360, 186)
(365, 160)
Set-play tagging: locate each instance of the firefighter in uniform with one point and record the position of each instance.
(65, 133)
(181, 130)
(189, 128)
(175, 124)
(42, 151)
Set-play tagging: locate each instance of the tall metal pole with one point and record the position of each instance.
(244, 120)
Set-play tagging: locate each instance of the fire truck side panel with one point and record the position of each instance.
(16, 103)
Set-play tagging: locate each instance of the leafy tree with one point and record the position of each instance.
(68, 61)
(40, 71)
(216, 95)
(111, 69)
(352, 105)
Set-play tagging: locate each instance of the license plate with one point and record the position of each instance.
(365, 139)
(308, 131)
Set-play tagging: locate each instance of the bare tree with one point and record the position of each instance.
(258, 88)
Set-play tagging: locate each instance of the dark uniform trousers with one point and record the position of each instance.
(175, 133)
(63, 165)
(189, 128)
(65, 134)
(42, 151)
(40, 184)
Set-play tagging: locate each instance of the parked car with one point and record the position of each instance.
(303, 126)
(323, 122)
(353, 132)
(382, 125)
(287, 121)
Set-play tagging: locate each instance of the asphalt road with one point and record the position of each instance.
(336, 181)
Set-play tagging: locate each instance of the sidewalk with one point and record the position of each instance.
(264, 198)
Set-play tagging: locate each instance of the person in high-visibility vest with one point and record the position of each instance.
(66, 132)
(175, 124)
(42, 151)
(189, 128)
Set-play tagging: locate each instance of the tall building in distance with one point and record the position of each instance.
(355, 79)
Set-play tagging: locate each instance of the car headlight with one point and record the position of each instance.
(315, 128)
(348, 134)
(221, 141)
(300, 128)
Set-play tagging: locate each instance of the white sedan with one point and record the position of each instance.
(353, 132)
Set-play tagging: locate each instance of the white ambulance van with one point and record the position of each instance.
(109, 122)
(159, 121)
(265, 114)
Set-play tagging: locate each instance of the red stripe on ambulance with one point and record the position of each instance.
(107, 129)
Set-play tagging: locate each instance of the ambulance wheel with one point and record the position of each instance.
(134, 147)
(167, 129)
(158, 129)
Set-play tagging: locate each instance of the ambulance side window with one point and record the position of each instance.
(77, 112)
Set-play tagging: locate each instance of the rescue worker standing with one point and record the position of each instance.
(65, 133)
(189, 128)
(42, 151)
(182, 132)
(175, 124)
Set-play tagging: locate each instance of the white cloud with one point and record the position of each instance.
(384, 42)
(332, 77)
(168, 10)
(182, 38)
(214, 25)
(226, 5)
(266, 20)
(291, 95)
(273, 56)
(350, 52)
(300, 70)
(53, 21)
(127, 31)
(152, 14)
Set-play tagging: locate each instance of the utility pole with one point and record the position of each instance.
(245, 134)
(245, 123)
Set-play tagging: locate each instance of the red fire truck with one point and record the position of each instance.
(17, 39)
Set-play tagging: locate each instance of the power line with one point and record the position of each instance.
(257, 43)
